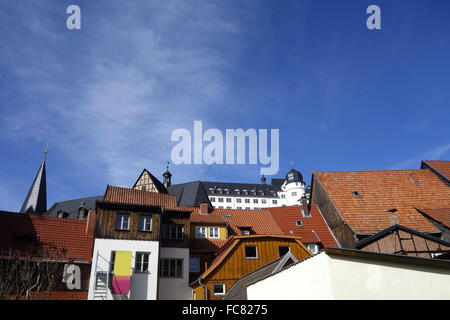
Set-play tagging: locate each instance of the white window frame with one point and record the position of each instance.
(215, 235)
(146, 218)
(122, 220)
(223, 289)
(143, 255)
(201, 232)
(256, 251)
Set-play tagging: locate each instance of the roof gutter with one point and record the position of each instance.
(206, 289)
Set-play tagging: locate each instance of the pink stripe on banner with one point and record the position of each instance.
(120, 285)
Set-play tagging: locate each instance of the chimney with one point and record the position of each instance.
(90, 223)
(204, 208)
(304, 203)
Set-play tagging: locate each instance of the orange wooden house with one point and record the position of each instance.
(240, 256)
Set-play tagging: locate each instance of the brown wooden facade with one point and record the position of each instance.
(232, 264)
(401, 240)
(106, 223)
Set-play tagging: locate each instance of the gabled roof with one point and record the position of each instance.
(260, 221)
(21, 232)
(72, 206)
(128, 196)
(369, 201)
(233, 241)
(239, 289)
(36, 199)
(391, 229)
(314, 229)
(158, 185)
(190, 194)
(440, 168)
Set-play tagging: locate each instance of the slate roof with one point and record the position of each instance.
(286, 218)
(239, 289)
(72, 206)
(36, 199)
(368, 200)
(441, 168)
(20, 232)
(190, 194)
(230, 188)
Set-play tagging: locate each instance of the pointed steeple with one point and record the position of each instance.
(36, 200)
(167, 177)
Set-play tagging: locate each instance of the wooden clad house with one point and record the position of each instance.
(148, 235)
(240, 256)
(359, 204)
(398, 239)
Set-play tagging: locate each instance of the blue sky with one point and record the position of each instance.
(107, 97)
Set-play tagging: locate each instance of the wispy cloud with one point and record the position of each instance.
(135, 73)
(438, 153)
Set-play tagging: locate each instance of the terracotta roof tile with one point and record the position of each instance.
(441, 215)
(441, 167)
(68, 234)
(286, 218)
(381, 191)
(140, 197)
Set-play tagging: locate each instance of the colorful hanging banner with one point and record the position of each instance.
(121, 273)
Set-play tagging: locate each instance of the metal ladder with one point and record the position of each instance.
(101, 281)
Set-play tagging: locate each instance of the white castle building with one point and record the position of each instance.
(230, 195)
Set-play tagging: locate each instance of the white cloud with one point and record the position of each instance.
(150, 68)
(414, 162)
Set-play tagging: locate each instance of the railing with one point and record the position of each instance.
(99, 270)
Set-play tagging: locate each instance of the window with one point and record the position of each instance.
(214, 232)
(250, 252)
(145, 223)
(314, 248)
(255, 200)
(239, 208)
(219, 289)
(245, 232)
(173, 232)
(283, 196)
(238, 200)
(228, 199)
(194, 264)
(142, 259)
(200, 232)
(356, 193)
(220, 207)
(122, 221)
(263, 201)
(213, 199)
(299, 223)
(220, 199)
(293, 194)
(247, 208)
(171, 268)
(247, 200)
(274, 201)
(228, 207)
(282, 250)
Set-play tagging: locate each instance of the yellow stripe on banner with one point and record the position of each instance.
(122, 263)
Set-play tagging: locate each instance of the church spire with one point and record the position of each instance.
(36, 200)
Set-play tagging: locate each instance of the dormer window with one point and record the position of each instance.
(356, 193)
(299, 223)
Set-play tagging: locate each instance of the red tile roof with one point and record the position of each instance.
(381, 191)
(441, 215)
(140, 197)
(286, 218)
(260, 221)
(441, 167)
(65, 234)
